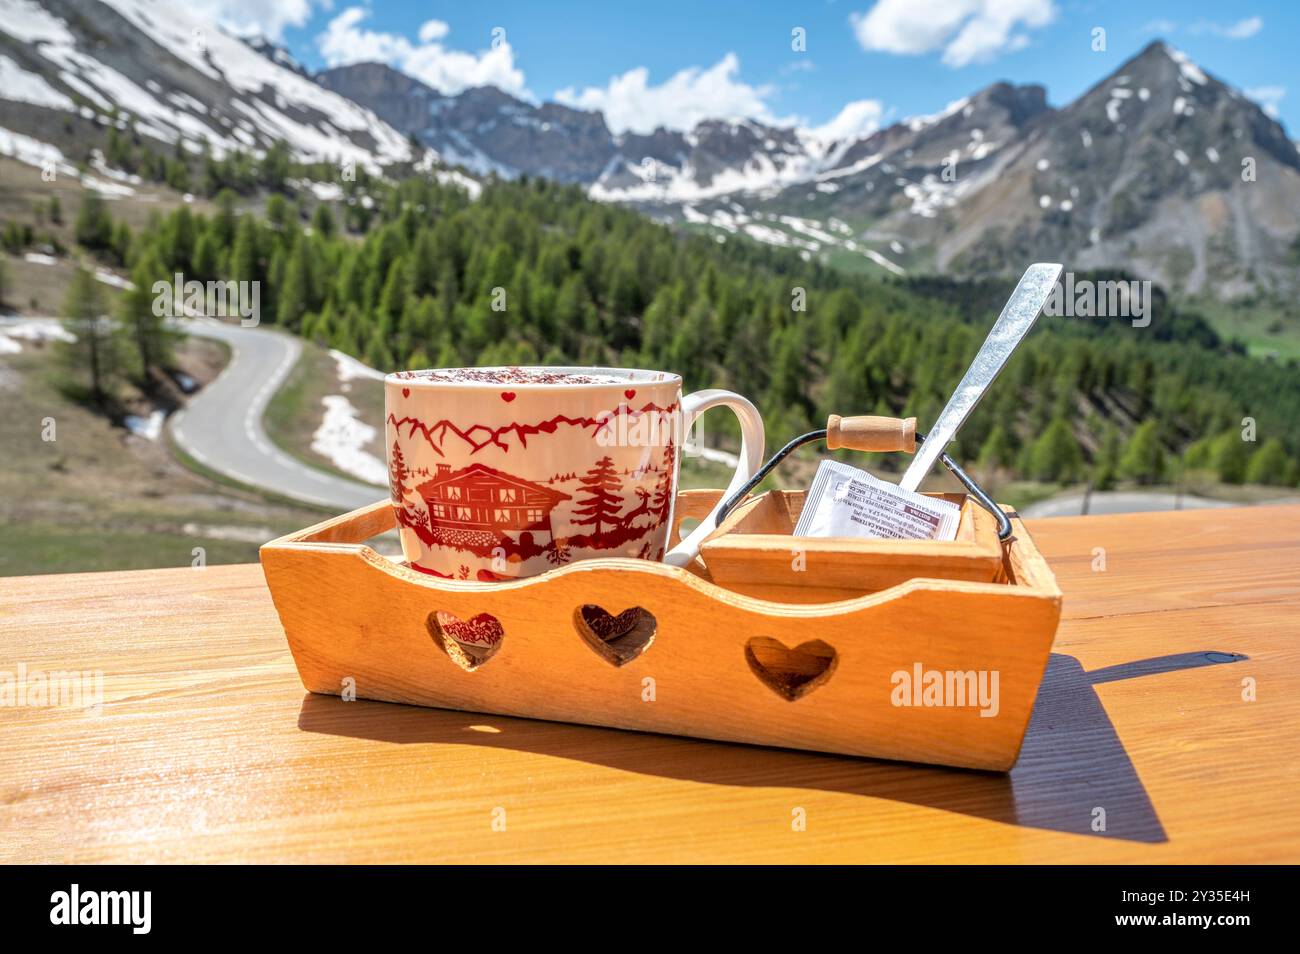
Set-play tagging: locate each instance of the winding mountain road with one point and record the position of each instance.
(221, 427)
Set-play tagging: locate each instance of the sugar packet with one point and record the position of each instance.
(846, 502)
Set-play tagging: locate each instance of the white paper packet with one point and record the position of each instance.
(846, 502)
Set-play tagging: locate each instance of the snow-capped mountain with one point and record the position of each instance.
(847, 201)
(1144, 171)
(70, 67)
(1160, 168)
(489, 131)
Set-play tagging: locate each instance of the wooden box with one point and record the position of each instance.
(639, 645)
(753, 552)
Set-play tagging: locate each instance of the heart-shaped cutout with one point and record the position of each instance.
(470, 643)
(630, 393)
(790, 673)
(507, 396)
(406, 392)
(616, 639)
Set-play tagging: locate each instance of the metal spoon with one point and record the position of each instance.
(1018, 316)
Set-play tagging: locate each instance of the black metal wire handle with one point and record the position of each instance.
(975, 490)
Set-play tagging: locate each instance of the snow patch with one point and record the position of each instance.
(342, 438)
(860, 166)
(106, 277)
(20, 86)
(34, 331)
(350, 369)
(809, 228)
(917, 123)
(28, 21)
(472, 187)
(324, 191)
(771, 236)
(931, 194)
(150, 428)
(883, 262)
(33, 152)
(228, 532)
(98, 163)
(109, 190)
(1186, 67)
(760, 174)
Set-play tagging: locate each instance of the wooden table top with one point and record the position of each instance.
(206, 747)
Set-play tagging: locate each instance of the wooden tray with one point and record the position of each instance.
(753, 552)
(675, 653)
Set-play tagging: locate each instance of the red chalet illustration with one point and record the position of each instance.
(474, 506)
(492, 514)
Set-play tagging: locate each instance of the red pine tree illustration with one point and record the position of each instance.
(600, 509)
(398, 475)
(662, 501)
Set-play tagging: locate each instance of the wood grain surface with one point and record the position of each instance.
(207, 748)
(687, 657)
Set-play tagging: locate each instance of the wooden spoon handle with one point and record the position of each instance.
(871, 433)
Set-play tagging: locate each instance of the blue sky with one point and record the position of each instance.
(672, 61)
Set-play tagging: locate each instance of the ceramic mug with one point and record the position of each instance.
(497, 473)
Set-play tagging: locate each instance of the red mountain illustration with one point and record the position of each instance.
(479, 436)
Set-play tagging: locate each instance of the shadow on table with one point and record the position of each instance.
(1072, 762)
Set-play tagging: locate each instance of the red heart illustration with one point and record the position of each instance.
(484, 629)
(507, 396)
(630, 393)
(469, 642)
(406, 392)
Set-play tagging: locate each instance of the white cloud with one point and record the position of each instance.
(254, 17)
(1268, 98)
(630, 102)
(450, 71)
(342, 42)
(1244, 28)
(857, 119)
(968, 31)
(1241, 30)
(432, 30)
(1160, 26)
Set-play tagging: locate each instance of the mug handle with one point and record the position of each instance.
(751, 458)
